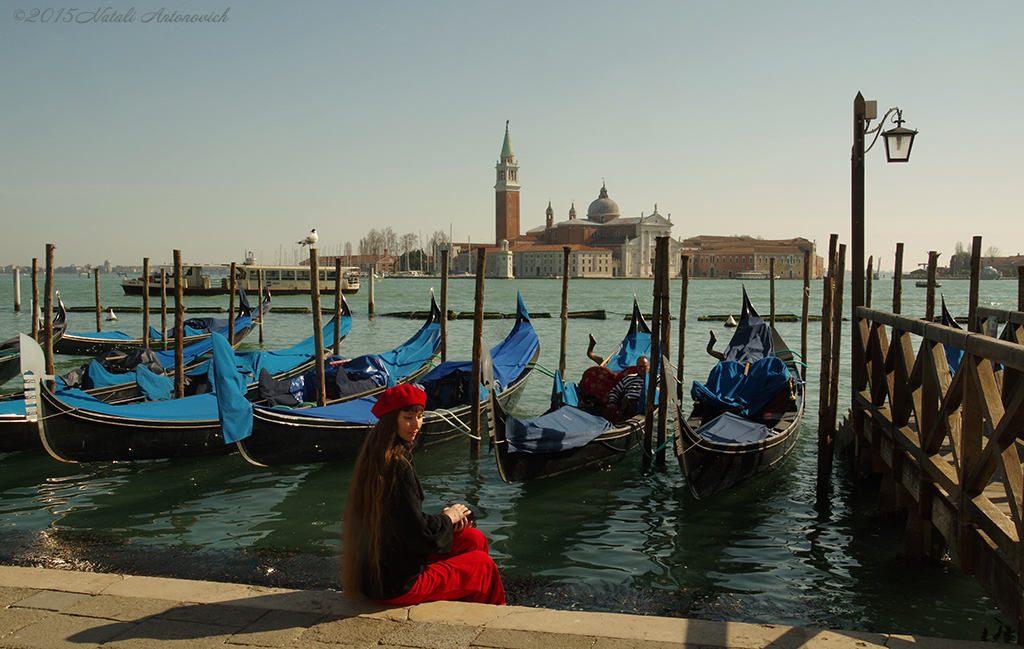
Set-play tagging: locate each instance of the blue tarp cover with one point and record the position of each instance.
(728, 428)
(560, 430)
(194, 408)
(728, 389)
(153, 387)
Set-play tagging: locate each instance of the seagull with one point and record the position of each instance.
(309, 240)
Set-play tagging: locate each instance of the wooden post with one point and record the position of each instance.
(975, 326)
(145, 302)
(662, 251)
(231, 306)
(1020, 288)
(684, 275)
(897, 281)
(259, 296)
(929, 307)
(444, 305)
(869, 280)
(337, 305)
(837, 344)
(771, 292)
(163, 308)
(655, 358)
(565, 308)
(35, 299)
(825, 433)
(179, 328)
(369, 294)
(48, 311)
(99, 320)
(475, 433)
(318, 324)
(805, 313)
(17, 290)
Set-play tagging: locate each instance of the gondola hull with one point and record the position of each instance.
(611, 447)
(711, 467)
(284, 437)
(713, 464)
(74, 435)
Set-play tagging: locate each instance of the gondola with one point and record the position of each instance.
(567, 439)
(746, 418)
(336, 432)
(78, 427)
(953, 355)
(10, 354)
(196, 329)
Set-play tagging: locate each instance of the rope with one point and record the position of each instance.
(537, 366)
(449, 417)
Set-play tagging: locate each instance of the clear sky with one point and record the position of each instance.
(129, 140)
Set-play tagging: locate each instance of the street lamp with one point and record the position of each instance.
(898, 142)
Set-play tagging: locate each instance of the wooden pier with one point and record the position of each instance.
(947, 443)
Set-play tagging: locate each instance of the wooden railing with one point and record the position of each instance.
(949, 443)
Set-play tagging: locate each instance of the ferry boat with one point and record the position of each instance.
(281, 280)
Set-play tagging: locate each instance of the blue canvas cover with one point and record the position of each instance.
(283, 360)
(197, 407)
(356, 411)
(560, 430)
(152, 386)
(728, 389)
(233, 410)
(729, 428)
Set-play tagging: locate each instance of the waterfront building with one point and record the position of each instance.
(746, 257)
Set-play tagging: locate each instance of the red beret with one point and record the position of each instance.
(400, 396)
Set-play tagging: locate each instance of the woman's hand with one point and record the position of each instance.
(459, 516)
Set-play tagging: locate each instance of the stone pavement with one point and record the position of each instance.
(57, 609)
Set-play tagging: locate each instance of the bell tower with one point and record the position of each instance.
(506, 196)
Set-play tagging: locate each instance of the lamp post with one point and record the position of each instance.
(898, 143)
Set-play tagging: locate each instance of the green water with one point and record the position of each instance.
(761, 553)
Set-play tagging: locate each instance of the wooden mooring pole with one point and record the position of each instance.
(99, 309)
(655, 358)
(475, 433)
(259, 296)
(975, 325)
(826, 427)
(145, 302)
(897, 280)
(179, 327)
(48, 310)
(338, 297)
(318, 324)
(566, 251)
(684, 294)
(17, 290)
(662, 372)
(805, 313)
(444, 305)
(771, 292)
(231, 306)
(929, 304)
(35, 299)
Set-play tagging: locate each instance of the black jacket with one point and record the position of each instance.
(409, 537)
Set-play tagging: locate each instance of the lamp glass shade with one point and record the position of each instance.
(898, 142)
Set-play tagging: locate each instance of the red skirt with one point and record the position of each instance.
(466, 574)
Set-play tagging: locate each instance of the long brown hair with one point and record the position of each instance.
(373, 482)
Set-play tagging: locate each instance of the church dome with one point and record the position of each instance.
(603, 209)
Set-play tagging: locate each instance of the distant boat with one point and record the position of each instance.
(988, 272)
(923, 283)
